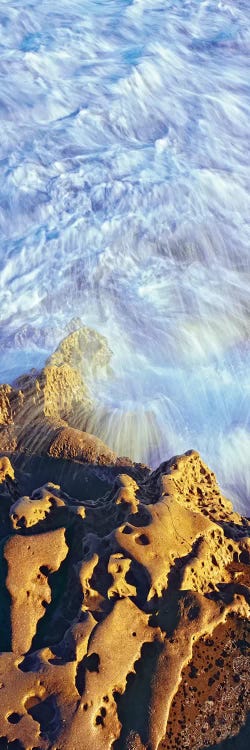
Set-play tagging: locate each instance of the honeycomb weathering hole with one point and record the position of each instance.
(142, 539)
(14, 718)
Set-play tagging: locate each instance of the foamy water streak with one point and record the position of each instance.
(124, 202)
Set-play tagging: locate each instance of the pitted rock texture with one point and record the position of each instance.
(124, 618)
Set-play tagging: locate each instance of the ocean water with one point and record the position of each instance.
(124, 205)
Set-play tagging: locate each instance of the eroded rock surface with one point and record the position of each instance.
(80, 446)
(85, 350)
(124, 619)
(47, 411)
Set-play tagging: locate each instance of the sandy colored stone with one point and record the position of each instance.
(172, 533)
(127, 492)
(5, 412)
(118, 568)
(107, 605)
(80, 446)
(84, 350)
(200, 617)
(48, 411)
(41, 506)
(92, 598)
(209, 701)
(48, 689)
(64, 391)
(96, 723)
(8, 438)
(6, 469)
(30, 560)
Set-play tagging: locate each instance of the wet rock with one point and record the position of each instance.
(41, 411)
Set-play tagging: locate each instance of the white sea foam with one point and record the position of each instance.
(124, 201)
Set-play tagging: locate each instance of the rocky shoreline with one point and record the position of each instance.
(125, 602)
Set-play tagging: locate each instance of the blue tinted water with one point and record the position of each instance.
(124, 203)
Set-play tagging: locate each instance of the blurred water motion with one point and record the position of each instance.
(124, 203)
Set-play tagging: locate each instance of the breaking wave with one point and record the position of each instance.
(124, 205)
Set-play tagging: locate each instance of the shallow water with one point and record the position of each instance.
(124, 203)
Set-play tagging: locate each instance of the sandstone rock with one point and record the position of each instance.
(6, 469)
(8, 438)
(124, 618)
(80, 446)
(27, 583)
(84, 350)
(209, 705)
(38, 404)
(5, 409)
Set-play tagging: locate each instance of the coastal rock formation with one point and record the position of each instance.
(80, 446)
(84, 350)
(124, 618)
(41, 411)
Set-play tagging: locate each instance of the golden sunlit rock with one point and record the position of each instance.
(117, 610)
